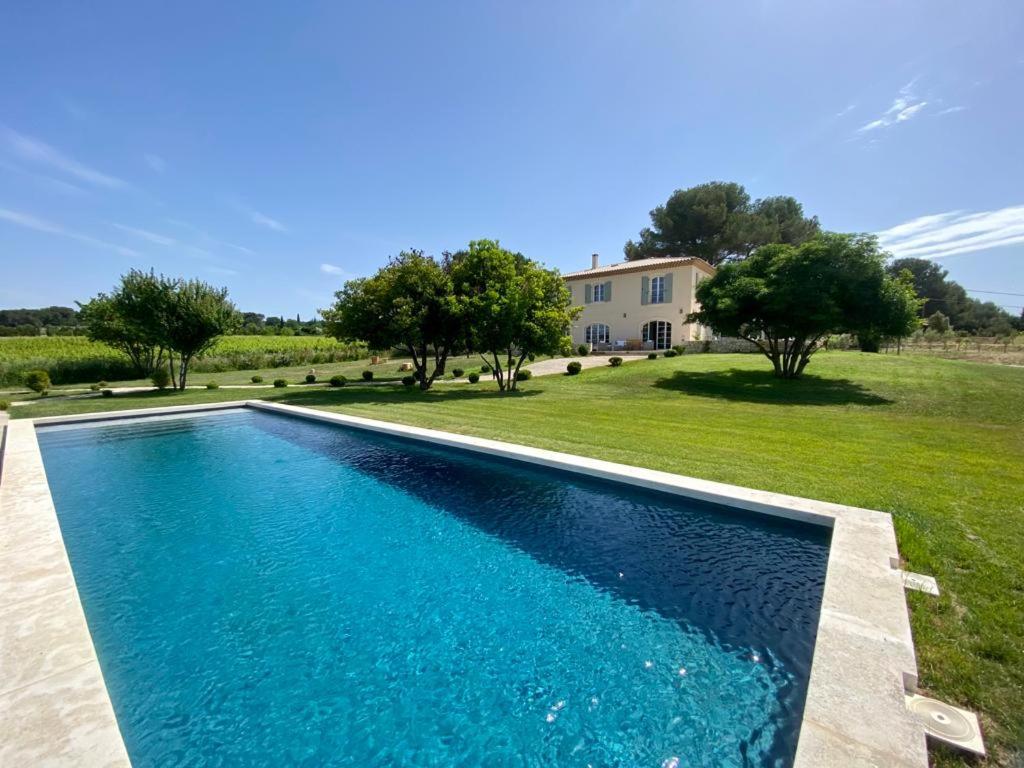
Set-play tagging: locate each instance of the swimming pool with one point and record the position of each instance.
(262, 589)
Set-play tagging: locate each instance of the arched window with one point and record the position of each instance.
(658, 334)
(598, 333)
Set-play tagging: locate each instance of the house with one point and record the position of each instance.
(639, 304)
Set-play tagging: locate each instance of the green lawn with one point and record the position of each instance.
(938, 443)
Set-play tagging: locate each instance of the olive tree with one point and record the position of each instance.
(788, 299)
(194, 316)
(513, 308)
(409, 304)
(130, 319)
(151, 319)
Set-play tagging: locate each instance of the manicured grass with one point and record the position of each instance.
(938, 443)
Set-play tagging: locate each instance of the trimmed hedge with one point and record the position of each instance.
(614, 362)
(574, 368)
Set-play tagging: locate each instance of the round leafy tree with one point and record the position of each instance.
(788, 299)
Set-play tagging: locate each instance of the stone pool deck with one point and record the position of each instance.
(54, 706)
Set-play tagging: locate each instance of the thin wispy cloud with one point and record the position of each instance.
(260, 219)
(955, 232)
(145, 234)
(31, 150)
(209, 240)
(164, 240)
(42, 180)
(155, 162)
(952, 110)
(41, 225)
(904, 107)
(847, 110)
(265, 221)
(332, 269)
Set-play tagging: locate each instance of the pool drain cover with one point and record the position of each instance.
(948, 724)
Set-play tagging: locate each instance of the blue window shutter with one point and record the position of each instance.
(645, 290)
(668, 288)
(608, 290)
(589, 294)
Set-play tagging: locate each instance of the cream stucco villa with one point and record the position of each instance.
(637, 304)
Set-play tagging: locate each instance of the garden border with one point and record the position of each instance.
(59, 711)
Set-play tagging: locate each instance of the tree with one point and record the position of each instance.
(938, 322)
(788, 299)
(930, 283)
(512, 308)
(716, 221)
(193, 317)
(408, 305)
(130, 319)
(152, 318)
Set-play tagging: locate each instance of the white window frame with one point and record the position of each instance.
(597, 293)
(597, 333)
(657, 290)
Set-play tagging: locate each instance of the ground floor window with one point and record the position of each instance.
(658, 333)
(598, 333)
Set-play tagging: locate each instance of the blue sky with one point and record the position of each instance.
(279, 148)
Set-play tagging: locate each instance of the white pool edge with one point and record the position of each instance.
(864, 659)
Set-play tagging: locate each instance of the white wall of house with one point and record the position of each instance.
(627, 297)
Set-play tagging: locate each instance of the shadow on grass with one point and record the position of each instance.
(763, 387)
(391, 395)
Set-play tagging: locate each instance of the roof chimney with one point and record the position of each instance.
(593, 261)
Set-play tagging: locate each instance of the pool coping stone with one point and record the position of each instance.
(59, 713)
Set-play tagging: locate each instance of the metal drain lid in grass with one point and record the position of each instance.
(948, 724)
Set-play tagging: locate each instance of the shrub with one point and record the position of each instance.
(614, 362)
(485, 368)
(408, 380)
(474, 377)
(311, 378)
(367, 375)
(4, 405)
(212, 385)
(458, 373)
(161, 378)
(108, 393)
(582, 350)
(95, 387)
(670, 353)
(280, 383)
(101, 384)
(257, 379)
(573, 368)
(37, 381)
(524, 375)
(679, 348)
(338, 381)
(652, 355)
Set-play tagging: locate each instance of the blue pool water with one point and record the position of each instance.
(266, 590)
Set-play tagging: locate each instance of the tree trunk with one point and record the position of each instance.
(183, 371)
(174, 375)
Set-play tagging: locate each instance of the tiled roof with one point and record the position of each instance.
(641, 265)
